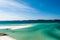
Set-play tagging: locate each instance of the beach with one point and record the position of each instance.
(6, 38)
(34, 31)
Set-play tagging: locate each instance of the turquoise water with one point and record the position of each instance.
(40, 31)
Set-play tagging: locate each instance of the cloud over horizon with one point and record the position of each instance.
(12, 10)
(21, 10)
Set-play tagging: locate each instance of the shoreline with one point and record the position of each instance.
(16, 27)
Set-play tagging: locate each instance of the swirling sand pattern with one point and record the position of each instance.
(40, 31)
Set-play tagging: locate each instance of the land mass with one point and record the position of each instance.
(28, 21)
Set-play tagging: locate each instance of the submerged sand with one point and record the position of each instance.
(39, 31)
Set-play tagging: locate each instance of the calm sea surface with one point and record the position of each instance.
(38, 31)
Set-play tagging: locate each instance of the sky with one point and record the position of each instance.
(29, 9)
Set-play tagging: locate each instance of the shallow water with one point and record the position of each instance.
(39, 31)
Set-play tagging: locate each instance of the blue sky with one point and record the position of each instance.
(29, 9)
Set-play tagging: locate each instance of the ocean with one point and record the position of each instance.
(33, 31)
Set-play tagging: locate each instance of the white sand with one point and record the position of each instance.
(20, 27)
(6, 38)
(16, 27)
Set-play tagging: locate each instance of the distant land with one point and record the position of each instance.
(28, 21)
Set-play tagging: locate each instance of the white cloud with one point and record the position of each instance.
(8, 16)
(14, 4)
(14, 10)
